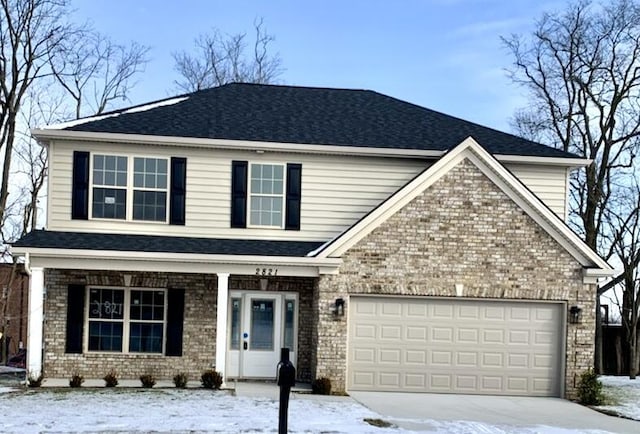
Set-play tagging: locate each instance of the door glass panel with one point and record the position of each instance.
(261, 337)
(288, 323)
(236, 305)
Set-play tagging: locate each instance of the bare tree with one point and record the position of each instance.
(221, 59)
(581, 69)
(95, 71)
(29, 30)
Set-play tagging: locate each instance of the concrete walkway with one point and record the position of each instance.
(413, 410)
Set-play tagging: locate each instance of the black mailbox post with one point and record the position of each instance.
(286, 380)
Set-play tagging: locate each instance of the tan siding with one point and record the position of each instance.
(337, 191)
(549, 183)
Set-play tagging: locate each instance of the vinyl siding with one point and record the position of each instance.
(336, 191)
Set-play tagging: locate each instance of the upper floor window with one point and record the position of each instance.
(120, 191)
(266, 193)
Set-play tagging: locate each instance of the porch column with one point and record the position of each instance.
(35, 322)
(221, 325)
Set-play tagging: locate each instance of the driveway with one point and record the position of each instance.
(413, 411)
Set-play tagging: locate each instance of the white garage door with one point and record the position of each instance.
(455, 346)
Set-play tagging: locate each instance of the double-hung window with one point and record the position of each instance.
(127, 188)
(266, 195)
(126, 320)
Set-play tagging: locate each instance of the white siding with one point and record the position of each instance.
(549, 183)
(337, 191)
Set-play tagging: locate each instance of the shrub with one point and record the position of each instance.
(211, 379)
(35, 381)
(76, 380)
(148, 380)
(590, 389)
(180, 380)
(111, 379)
(321, 386)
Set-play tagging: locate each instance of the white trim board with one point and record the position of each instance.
(469, 149)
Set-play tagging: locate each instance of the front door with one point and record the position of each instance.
(261, 323)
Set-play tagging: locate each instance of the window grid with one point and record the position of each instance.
(266, 204)
(129, 188)
(133, 332)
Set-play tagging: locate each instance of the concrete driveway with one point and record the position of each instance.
(413, 411)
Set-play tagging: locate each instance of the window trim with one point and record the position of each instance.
(283, 196)
(126, 320)
(130, 189)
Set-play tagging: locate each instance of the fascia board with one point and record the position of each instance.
(45, 135)
(180, 258)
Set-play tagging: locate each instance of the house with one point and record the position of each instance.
(13, 310)
(389, 246)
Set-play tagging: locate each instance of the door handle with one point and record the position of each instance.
(245, 345)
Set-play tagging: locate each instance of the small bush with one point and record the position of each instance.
(180, 380)
(148, 380)
(211, 379)
(321, 386)
(76, 380)
(35, 381)
(111, 379)
(590, 389)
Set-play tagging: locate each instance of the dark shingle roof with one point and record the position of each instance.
(148, 243)
(307, 115)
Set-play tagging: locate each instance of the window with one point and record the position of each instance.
(132, 316)
(150, 189)
(109, 186)
(129, 193)
(266, 195)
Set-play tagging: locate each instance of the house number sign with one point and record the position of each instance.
(106, 309)
(266, 271)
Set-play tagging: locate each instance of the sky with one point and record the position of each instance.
(442, 54)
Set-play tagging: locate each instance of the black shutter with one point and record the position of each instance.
(239, 171)
(80, 189)
(178, 191)
(75, 318)
(175, 319)
(294, 194)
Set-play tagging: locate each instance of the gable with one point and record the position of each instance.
(470, 152)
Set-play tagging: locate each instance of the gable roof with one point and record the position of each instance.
(501, 177)
(305, 115)
(161, 244)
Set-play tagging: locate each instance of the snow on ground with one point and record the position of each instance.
(624, 395)
(204, 411)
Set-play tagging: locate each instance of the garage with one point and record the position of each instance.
(444, 345)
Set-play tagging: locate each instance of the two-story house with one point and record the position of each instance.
(389, 246)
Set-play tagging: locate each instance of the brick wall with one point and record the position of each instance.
(14, 289)
(199, 335)
(462, 229)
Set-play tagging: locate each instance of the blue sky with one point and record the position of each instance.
(441, 54)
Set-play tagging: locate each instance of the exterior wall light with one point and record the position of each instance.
(337, 308)
(264, 282)
(575, 315)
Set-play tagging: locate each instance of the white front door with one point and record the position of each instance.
(261, 323)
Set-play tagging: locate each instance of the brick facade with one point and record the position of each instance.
(14, 306)
(199, 334)
(462, 229)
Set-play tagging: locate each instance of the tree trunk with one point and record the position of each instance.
(598, 356)
(633, 354)
(619, 355)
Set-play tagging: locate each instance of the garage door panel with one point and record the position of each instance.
(455, 346)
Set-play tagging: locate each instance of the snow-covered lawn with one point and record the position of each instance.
(623, 394)
(124, 410)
